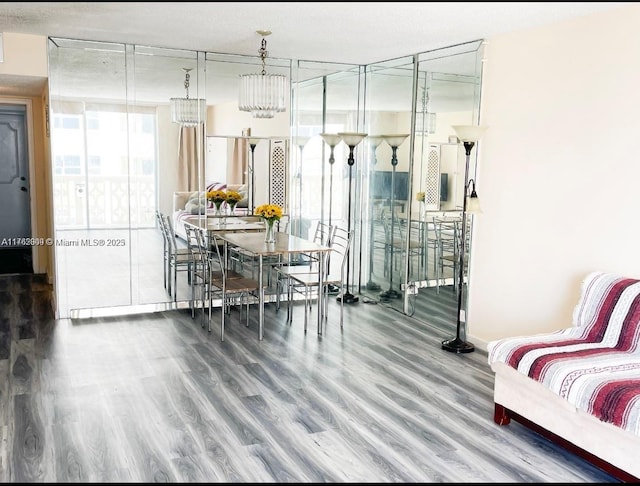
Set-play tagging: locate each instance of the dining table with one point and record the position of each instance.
(225, 225)
(284, 246)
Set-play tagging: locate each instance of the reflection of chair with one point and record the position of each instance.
(165, 246)
(395, 245)
(306, 280)
(447, 232)
(179, 260)
(240, 258)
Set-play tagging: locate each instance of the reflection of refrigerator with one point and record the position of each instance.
(442, 158)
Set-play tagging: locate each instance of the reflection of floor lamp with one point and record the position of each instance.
(351, 140)
(331, 140)
(468, 135)
(394, 141)
(300, 142)
(374, 142)
(252, 178)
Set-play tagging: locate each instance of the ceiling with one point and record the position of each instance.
(337, 32)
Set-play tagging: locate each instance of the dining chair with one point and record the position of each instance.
(165, 246)
(395, 240)
(306, 280)
(447, 244)
(239, 290)
(202, 275)
(179, 260)
(240, 258)
(321, 235)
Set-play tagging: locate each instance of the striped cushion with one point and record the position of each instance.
(595, 364)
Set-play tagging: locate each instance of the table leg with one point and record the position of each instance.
(260, 299)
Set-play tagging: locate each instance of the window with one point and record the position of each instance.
(93, 123)
(94, 164)
(67, 165)
(118, 152)
(67, 122)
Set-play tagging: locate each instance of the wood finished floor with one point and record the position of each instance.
(155, 397)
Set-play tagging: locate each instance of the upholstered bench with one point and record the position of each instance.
(580, 386)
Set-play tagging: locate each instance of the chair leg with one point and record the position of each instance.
(175, 283)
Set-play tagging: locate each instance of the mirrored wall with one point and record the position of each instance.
(119, 161)
(404, 194)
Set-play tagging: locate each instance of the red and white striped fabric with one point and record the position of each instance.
(595, 364)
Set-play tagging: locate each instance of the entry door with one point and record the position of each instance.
(15, 217)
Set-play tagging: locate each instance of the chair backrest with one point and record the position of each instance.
(163, 227)
(340, 247)
(323, 233)
(197, 251)
(282, 225)
(217, 258)
(446, 230)
(171, 235)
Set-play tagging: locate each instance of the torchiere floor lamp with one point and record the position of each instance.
(351, 140)
(374, 142)
(252, 178)
(300, 142)
(331, 139)
(468, 135)
(394, 141)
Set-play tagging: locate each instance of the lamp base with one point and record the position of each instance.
(390, 294)
(347, 298)
(333, 289)
(372, 286)
(457, 345)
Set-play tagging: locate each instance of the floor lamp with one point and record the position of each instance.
(351, 140)
(252, 179)
(394, 141)
(374, 142)
(468, 135)
(300, 142)
(331, 139)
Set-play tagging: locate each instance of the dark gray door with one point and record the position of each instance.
(15, 217)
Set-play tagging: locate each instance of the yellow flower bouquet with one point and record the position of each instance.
(233, 197)
(420, 196)
(270, 213)
(217, 197)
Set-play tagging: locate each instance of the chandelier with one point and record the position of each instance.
(263, 95)
(187, 111)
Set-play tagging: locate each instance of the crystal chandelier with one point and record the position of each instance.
(263, 95)
(187, 111)
(425, 120)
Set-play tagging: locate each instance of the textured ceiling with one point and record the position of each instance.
(349, 32)
(340, 32)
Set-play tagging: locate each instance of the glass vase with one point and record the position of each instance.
(269, 234)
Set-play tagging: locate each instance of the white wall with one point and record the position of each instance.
(558, 170)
